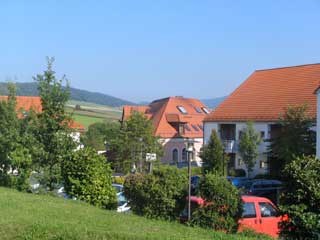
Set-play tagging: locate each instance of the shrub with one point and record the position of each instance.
(160, 194)
(223, 205)
(238, 172)
(301, 200)
(87, 177)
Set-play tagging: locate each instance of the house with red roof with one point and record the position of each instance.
(176, 120)
(26, 103)
(262, 99)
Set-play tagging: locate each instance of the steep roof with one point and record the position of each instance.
(266, 94)
(164, 113)
(33, 102)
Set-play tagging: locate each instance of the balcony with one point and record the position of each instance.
(230, 146)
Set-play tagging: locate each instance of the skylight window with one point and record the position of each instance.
(205, 110)
(198, 110)
(186, 126)
(200, 126)
(182, 109)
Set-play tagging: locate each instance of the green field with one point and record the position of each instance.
(91, 113)
(29, 217)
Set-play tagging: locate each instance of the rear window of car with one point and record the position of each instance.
(249, 210)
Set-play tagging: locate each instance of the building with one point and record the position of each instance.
(262, 98)
(176, 120)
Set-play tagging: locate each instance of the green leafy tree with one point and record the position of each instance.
(161, 194)
(53, 133)
(301, 199)
(100, 133)
(295, 138)
(248, 147)
(223, 206)
(18, 146)
(213, 156)
(88, 177)
(135, 139)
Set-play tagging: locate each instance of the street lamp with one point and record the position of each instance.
(189, 149)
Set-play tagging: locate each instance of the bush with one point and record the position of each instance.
(223, 205)
(160, 194)
(87, 177)
(301, 200)
(239, 172)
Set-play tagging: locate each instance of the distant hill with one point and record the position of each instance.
(30, 89)
(213, 102)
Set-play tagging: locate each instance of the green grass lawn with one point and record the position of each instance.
(29, 217)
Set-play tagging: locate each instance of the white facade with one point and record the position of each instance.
(231, 145)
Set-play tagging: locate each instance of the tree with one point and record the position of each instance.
(100, 133)
(53, 133)
(248, 147)
(213, 156)
(136, 138)
(296, 137)
(301, 199)
(161, 194)
(223, 206)
(88, 177)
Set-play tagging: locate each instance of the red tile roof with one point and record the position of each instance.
(266, 94)
(31, 102)
(164, 114)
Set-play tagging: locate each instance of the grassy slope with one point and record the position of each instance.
(91, 113)
(30, 217)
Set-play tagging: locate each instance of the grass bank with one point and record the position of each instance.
(29, 217)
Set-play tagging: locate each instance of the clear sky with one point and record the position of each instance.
(144, 50)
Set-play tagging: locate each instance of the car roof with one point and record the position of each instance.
(247, 198)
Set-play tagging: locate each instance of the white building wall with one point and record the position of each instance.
(260, 166)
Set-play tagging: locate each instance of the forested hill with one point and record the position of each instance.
(30, 89)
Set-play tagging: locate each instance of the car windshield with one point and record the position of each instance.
(121, 199)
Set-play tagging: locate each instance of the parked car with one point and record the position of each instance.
(238, 182)
(123, 205)
(263, 188)
(259, 214)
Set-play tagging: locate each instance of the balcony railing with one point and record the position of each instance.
(230, 146)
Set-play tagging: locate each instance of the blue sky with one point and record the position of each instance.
(143, 50)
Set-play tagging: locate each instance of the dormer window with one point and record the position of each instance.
(182, 109)
(205, 110)
(181, 129)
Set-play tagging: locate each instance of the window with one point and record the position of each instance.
(182, 109)
(175, 155)
(249, 210)
(184, 155)
(200, 126)
(186, 126)
(267, 210)
(263, 164)
(198, 110)
(195, 128)
(205, 110)
(262, 135)
(181, 129)
(240, 134)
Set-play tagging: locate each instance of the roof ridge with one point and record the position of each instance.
(276, 68)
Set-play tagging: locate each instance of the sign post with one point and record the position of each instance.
(151, 157)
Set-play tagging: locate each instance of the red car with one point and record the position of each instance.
(259, 214)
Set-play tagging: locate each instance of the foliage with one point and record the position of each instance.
(42, 217)
(119, 179)
(248, 147)
(18, 146)
(213, 157)
(99, 133)
(238, 172)
(301, 200)
(223, 205)
(31, 89)
(53, 132)
(160, 194)
(88, 177)
(296, 137)
(136, 138)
